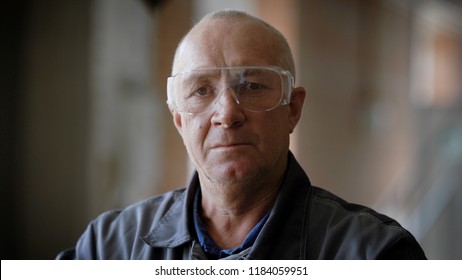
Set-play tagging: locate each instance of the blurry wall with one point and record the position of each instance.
(126, 109)
(368, 133)
(85, 127)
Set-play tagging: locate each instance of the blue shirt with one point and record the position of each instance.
(211, 249)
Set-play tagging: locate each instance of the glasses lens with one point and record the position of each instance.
(253, 88)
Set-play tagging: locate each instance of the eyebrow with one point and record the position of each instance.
(248, 72)
(198, 75)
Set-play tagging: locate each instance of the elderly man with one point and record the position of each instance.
(233, 100)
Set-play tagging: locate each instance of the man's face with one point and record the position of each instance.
(227, 144)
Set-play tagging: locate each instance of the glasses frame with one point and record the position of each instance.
(288, 83)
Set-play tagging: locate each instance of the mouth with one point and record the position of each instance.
(230, 146)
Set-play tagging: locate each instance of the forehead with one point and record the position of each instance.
(221, 43)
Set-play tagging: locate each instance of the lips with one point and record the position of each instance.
(232, 145)
(229, 140)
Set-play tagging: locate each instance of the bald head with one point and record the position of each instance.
(216, 38)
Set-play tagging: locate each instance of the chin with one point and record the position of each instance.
(236, 173)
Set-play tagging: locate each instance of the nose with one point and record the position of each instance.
(227, 111)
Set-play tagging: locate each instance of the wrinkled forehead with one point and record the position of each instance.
(222, 43)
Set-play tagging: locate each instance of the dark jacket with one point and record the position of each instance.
(306, 222)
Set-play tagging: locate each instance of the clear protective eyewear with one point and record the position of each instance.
(254, 88)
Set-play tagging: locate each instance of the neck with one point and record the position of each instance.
(230, 212)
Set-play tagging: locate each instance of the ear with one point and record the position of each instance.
(177, 120)
(296, 106)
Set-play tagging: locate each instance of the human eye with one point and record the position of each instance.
(198, 98)
(201, 91)
(253, 86)
(254, 82)
(197, 85)
(197, 88)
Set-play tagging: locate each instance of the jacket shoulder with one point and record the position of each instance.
(114, 233)
(150, 209)
(339, 207)
(353, 231)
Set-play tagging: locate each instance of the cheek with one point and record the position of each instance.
(277, 135)
(274, 129)
(194, 131)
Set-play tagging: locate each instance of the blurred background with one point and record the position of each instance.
(84, 126)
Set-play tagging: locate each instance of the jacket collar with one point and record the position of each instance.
(175, 227)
